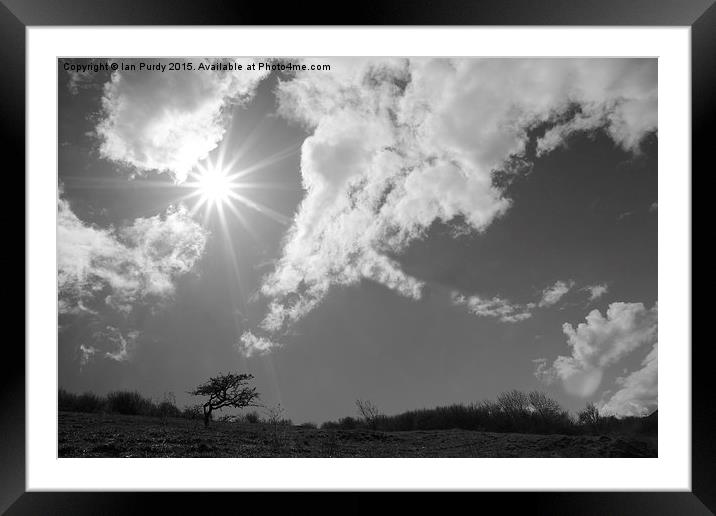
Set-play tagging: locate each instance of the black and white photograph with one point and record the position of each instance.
(357, 257)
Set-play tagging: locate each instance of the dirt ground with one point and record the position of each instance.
(112, 435)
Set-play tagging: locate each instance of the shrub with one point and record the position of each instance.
(274, 416)
(125, 402)
(547, 415)
(344, 423)
(252, 417)
(369, 412)
(515, 404)
(86, 402)
(168, 409)
(543, 406)
(348, 423)
(589, 417)
(513, 411)
(195, 411)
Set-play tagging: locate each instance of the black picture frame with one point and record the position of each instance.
(17, 15)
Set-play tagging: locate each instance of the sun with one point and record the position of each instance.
(217, 187)
(214, 185)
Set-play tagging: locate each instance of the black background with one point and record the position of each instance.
(15, 15)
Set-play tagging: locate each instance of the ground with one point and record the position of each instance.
(112, 435)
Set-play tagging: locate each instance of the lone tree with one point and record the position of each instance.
(226, 390)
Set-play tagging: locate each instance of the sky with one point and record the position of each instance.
(416, 232)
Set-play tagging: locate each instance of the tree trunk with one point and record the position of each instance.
(207, 415)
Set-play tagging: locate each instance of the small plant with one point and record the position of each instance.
(274, 417)
(331, 444)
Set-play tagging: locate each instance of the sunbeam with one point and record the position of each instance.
(217, 185)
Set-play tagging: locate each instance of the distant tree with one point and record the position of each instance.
(226, 390)
(544, 406)
(369, 412)
(589, 416)
(514, 403)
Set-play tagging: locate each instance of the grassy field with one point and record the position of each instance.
(114, 435)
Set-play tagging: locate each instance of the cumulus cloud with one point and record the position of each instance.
(603, 341)
(617, 95)
(169, 121)
(638, 392)
(600, 343)
(596, 291)
(397, 144)
(552, 295)
(250, 345)
(494, 307)
(119, 267)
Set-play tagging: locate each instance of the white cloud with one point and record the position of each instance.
(110, 343)
(398, 144)
(494, 307)
(121, 267)
(603, 341)
(87, 353)
(79, 80)
(619, 95)
(600, 343)
(596, 291)
(638, 393)
(507, 311)
(121, 344)
(552, 295)
(250, 345)
(169, 121)
(543, 372)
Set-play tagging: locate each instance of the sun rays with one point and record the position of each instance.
(213, 186)
(217, 186)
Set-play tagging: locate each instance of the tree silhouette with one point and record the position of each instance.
(226, 390)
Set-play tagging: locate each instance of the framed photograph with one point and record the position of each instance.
(432, 250)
